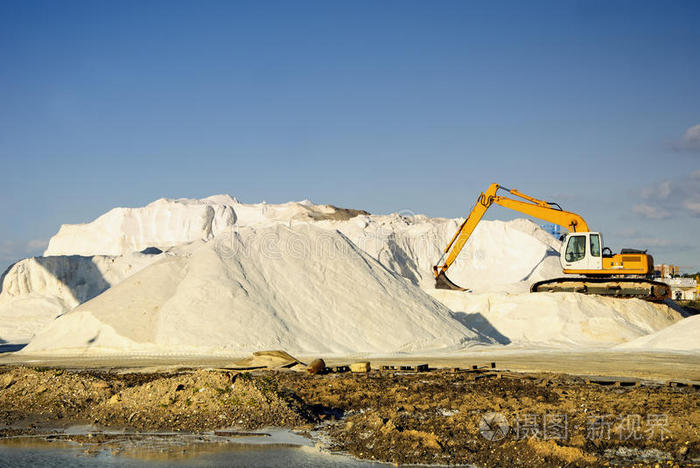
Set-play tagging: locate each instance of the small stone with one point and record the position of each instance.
(7, 381)
(360, 366)
(388, 427)
(317, 366)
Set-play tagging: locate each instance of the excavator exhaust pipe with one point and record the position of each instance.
(443, 282)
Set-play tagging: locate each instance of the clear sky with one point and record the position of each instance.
(379, 105)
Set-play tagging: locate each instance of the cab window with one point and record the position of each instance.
(595, 245)
(576, 248)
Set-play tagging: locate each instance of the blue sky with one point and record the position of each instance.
(379, 105)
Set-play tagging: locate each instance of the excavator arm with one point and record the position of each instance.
(546, 211)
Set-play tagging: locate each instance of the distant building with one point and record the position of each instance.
(682, 289)
(666, 271)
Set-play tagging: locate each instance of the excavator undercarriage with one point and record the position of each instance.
(641, 288)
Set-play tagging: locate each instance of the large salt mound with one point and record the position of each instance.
(166, 223)
(681, 336)
(300, 288)
(560, 320)
(499, 255)
(36, 290)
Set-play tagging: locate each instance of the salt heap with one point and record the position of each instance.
(682, 336)
(500, 256)
(302, 288)
(166, 223)
(557, 320)
(83, 260)
(34, 291)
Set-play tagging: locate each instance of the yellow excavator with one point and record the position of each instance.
(597, 269)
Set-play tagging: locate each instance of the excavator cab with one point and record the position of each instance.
(582, 251)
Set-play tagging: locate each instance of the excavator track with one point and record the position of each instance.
(640, 288)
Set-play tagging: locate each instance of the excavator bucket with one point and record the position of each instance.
(443, 282)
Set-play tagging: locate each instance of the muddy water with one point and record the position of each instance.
(283, 450)
(282, 457)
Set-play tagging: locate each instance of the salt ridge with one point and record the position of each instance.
(168, 222)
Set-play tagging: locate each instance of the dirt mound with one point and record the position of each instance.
(202, 400)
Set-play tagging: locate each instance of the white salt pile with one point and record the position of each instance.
(84, 260)
(681, 336)
(561, 320)
(166, 223)
(34, 291)
(303, 289)
(500, 256)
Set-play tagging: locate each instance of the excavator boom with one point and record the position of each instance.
(540, 209)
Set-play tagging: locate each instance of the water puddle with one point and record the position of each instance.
(78, 447)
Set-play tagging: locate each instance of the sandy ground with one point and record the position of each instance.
(649, 366)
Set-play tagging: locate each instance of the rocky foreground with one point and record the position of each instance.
(434, 417)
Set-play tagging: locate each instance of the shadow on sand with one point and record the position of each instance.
(6, 347)
(479, 323)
